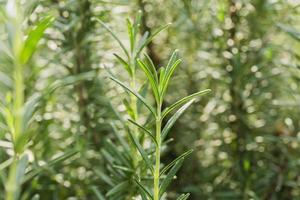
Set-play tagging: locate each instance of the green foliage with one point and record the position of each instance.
(17, 110)
(90, 108)
(158, 90)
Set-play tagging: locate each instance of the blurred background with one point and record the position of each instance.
(245, 133)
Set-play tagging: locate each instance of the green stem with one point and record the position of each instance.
(18, 103)
(157, 154)
(135, 153)
(12, 187)
(133, 102)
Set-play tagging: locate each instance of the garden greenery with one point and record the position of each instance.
(96, 103)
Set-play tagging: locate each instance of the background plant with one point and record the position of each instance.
(20, 103)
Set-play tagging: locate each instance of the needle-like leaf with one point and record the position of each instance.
(117, 189)
(34, 37)
(98, 193)
(32, 173)
(125, 64)
(144, 129)
(113, 35)
(149, 63)
(130, 34)
(167, 77)
(182, 101)
(174, 118)
(143, 189)
(291, 31)
(140, 44)
(151, 77)
(149, 39)
(182, 156)
(183, 196)
(172, 60)
(142, 151)
(165, 183)
(151, 109)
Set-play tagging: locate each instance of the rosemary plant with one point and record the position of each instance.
(17, 109)
(134, 167)
(159, 81)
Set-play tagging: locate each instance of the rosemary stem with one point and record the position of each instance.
(157, 154)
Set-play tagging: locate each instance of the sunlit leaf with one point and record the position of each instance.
(182, 101)
(33, 38)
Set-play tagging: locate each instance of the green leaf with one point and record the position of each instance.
(141, 43)
(129, 109)
(149, 63)
(5, 80)
(123, 168)
(120, 139)
(34, 172)
(291, 31)
(36, 197)
(6, 164)
(149, 39)
(130, 34)
(69, 80)
(152, 80)
(107, 179)
(182, 101)
(29, 108)
(137, 20)
(33, 38)
(165, 183)
(182, 156)
(98, 193)
(143, 92)
(144, 129)
(142, 151)
(144, 196)
(183, 196)
(172, 60)
(21, 166)
(162, 72)
(107, 156)
(113, 35)
(168, 75)
(114, 150)
(143, 189)
(125, 64)
(174, 118)
(151, 109)
(9, 119)
(136, 24)
(118, 189)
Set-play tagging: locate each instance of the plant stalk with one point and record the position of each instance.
(157, 154)
(133, 102)
(12, 186)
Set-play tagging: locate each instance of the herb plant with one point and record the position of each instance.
(87, 100)
(159, 83)
(128, 160)
(18, 106)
